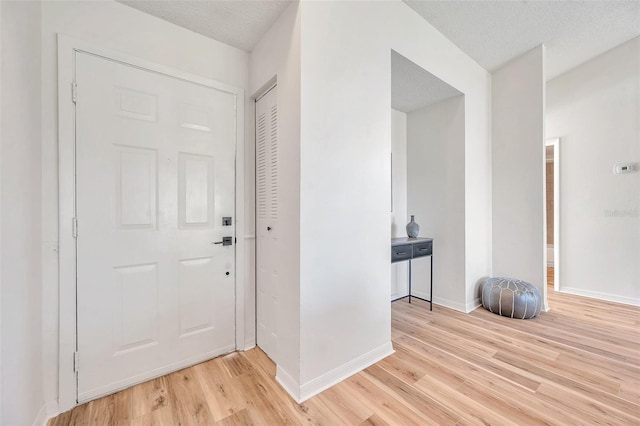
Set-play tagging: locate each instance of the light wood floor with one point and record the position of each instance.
(577, 364)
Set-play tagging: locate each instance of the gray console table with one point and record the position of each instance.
(411, 248)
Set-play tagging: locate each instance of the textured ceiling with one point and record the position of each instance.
(494, 32)
(413, 88)
(239, 23)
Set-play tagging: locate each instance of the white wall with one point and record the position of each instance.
(436, 195)
(22, 397)
(345, 187)
(118, 27)
(519, 249)
(595, 109)
(277, 55)
(399, 216)
(1, 26)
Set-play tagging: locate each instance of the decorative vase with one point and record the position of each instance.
(413, 228)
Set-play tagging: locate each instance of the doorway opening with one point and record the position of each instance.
(552, 213)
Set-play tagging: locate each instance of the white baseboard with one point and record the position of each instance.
(420, 294)
(346, 370)
(249, 344)
(473, 305)
(600, 295)
(41, 418)
(456, 306)
(288, 383)
(301, 393)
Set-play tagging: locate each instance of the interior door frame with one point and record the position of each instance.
(68, 47)
(555, 142)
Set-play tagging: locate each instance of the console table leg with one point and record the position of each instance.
(409, 280)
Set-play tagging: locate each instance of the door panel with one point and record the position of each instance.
(155, 166)
(136, 187)
(136, 321)
(197, 192)
(196, 315)
(267, 225)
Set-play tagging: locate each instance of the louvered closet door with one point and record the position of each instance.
(267, 229)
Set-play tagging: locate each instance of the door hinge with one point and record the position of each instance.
(74, 92)
(74, 227)
(76, 362)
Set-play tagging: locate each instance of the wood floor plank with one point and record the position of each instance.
(613, 369)
(577, 364)
(569, 374)
(374, 420)
(417, 400)
(187, 399)
(508, 408)
(471, 330)
(261, 361)
(62, 419)
(452, 341)
(223, 396)
(314, 411)
(466, 360)
(387, 406)
(437, 364)
(349, 409)
(471, 411)
(630, 392)
(236, 364)
(113, 409)
(80, 416)
(160, 417)
(570, 338)
(522, 397)
(149, 396)
(257, 397)
(247, 417)
(588, 409)
(410, 367)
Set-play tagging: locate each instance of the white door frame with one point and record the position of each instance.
(67, 48)
(555, 142)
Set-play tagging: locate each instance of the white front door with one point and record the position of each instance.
(155, 164)
(267, 225)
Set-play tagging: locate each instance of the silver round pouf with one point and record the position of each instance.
(511, 298)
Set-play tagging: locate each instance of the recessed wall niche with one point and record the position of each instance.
(428, 178)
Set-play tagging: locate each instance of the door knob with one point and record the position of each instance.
(268, 228)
